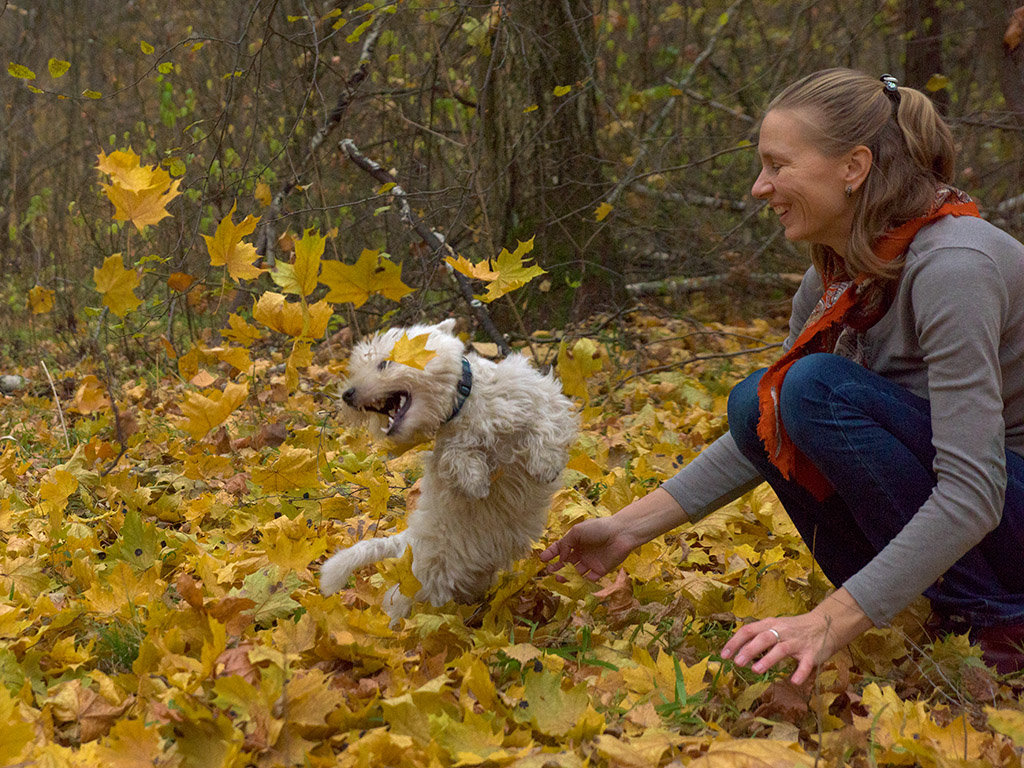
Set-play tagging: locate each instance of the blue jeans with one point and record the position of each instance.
(872, 439)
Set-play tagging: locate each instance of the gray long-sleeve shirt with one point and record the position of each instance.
(954, 335)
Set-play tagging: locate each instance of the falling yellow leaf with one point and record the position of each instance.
(262, 194)
(291, 317)
(412, 351)
(301, 278)
(140, 193)
(117, 285)
(561, 90)
(577, 365)
(602, 211)
(226, 247)
(507, 273)
(40, 300)
(240, 331)
(373, 273)
(180, 281)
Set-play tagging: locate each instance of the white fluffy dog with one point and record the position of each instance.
(501, 435)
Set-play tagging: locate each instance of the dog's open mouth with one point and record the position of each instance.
(394, 406)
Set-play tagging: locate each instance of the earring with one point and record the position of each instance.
(849, 190)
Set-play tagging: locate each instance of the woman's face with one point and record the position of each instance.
(805, 188)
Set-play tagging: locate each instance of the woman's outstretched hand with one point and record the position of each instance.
(594, 546)
(810, 638)
(598, 545)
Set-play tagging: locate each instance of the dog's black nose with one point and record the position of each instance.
(349, 396)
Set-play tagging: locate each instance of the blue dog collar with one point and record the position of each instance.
(464, 387)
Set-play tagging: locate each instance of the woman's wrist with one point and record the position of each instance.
(846, 618)
(648, 517)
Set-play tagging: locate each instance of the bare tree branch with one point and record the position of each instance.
(434, 240)
(267, 236)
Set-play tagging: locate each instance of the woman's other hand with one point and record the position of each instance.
(810, 638)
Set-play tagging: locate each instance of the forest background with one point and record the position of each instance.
(203, 206)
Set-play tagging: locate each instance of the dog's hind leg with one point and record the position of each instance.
(335, 572)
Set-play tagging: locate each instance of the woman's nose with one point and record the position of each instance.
(761, 189)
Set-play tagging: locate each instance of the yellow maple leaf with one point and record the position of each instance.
(17, 732)
(505, 274)
(125, 169)
(292, 469)
(117, 285)
(58, 485)
(550, 709)
(374, 272)
(399, 571)
(412, 351)
(91, 396)
(40, 300)
(577, 365)
(240, 331)
(226, 247)
(203, 411)
(140, 193)
(292, 317)
(302, 277)
(479, 271)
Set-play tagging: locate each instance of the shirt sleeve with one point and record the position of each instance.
(960, 301)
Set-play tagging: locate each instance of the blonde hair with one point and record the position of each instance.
(912, 153)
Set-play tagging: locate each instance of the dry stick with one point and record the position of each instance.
(56, 401)
(694, 359)
(117, 418)
(436, 243)
(265, 239)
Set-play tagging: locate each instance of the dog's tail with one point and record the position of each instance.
(335, 572)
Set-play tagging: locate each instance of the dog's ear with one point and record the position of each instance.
(447, 326)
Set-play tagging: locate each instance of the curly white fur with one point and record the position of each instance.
(488, 482)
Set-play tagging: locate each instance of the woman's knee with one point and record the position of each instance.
(809, 386)
(744, 413)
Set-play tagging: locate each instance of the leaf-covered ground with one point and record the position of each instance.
(163, 610)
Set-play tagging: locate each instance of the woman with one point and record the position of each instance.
(892, 429)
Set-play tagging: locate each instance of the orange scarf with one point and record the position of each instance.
(846, 309)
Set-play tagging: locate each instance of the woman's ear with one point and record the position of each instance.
(857, 166)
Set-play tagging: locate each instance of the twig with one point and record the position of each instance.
(56, 400)
(436, 243)
(266, 238)
(681, 285)
(694, 359)
(117, 418)
(682, 83)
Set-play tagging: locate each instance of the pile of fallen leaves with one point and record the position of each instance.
(159, 602)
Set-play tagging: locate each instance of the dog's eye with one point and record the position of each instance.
(383, 364)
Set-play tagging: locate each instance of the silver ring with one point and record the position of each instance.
(776, 633)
